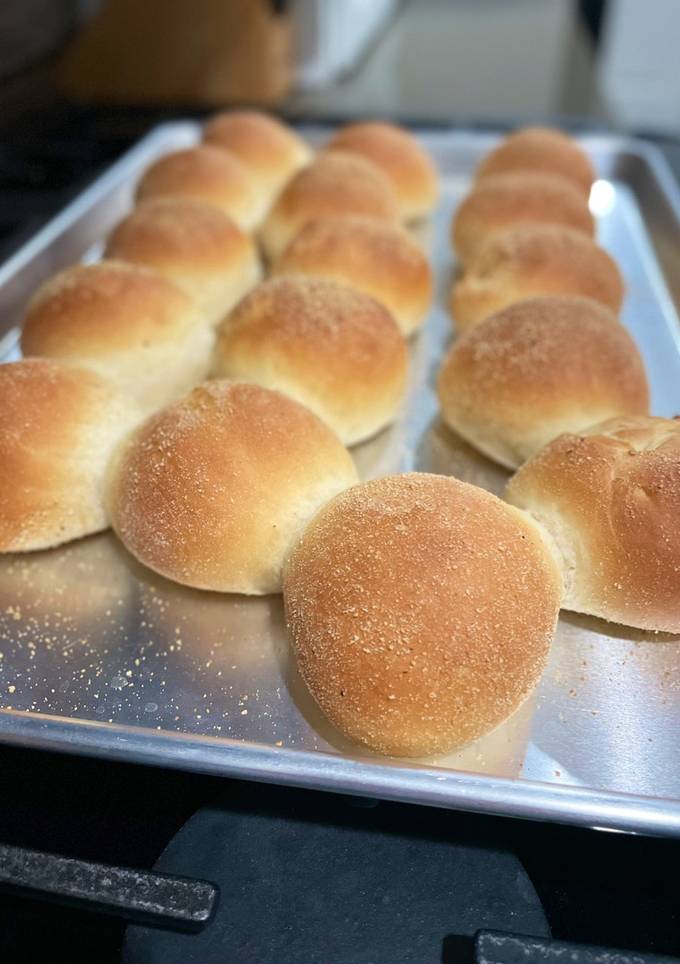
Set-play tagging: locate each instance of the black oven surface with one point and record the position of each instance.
(297, 866)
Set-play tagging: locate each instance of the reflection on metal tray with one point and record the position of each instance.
(100, 656)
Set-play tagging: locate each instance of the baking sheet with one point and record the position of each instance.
(100, 656)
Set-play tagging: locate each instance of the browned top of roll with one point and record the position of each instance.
(319, 325)
(352, 245)
(265, 145)
(110, 306)
(420, 611)
(181, 234)
(542, 248)
(211, 490)
(540, 149)
(338, 183)
(610, 496)
(58, 425)
(378, 258)
(399, 155)
(43, 402)
(332, 348)
(505, 200)
(543, 259)
(207, 174)
(542, 357)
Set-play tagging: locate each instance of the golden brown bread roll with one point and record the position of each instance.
(399, 155)
(212, 491)
(271, 151)
(536, 369)
(544, 150)
(420, 611)
(124, 322)
(193, 244)
(335, 184)
(610, 498)
(58, 427)
(207, 174)
(379, 259)
(531, 261)
(329, 347)
(509, 200)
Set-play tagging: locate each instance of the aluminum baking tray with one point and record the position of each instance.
(100, 656)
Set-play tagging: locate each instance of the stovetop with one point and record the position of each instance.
(599, 888)
(591, 887)
(49, 157)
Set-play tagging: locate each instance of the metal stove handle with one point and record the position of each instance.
(137, 896)
(495, 947)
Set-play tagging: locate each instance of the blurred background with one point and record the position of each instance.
(430, 60)
(81, 79)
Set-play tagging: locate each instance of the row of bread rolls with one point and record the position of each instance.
(210, 491)
(213, 490)
(324, 343)
(371, 169)
(349, 283)
(138, 327)
(555, 379)
(542, 351)
(129, 335)
(525, 230)
(421, 611)
(143, 322)
(265, 178)
(245, 160)
(126, 318)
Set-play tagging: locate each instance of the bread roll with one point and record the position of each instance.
(536, 369)
(379, 259)
(334, 185)
(398, 155)
(212, 491)
(271, 151)
(193, 244)
(543, 150)
(125, 322)
(530, 261)
(58, 427)
(509, 200)
(610, 498)
(207, 174)
(329, 347)
(420, 611)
